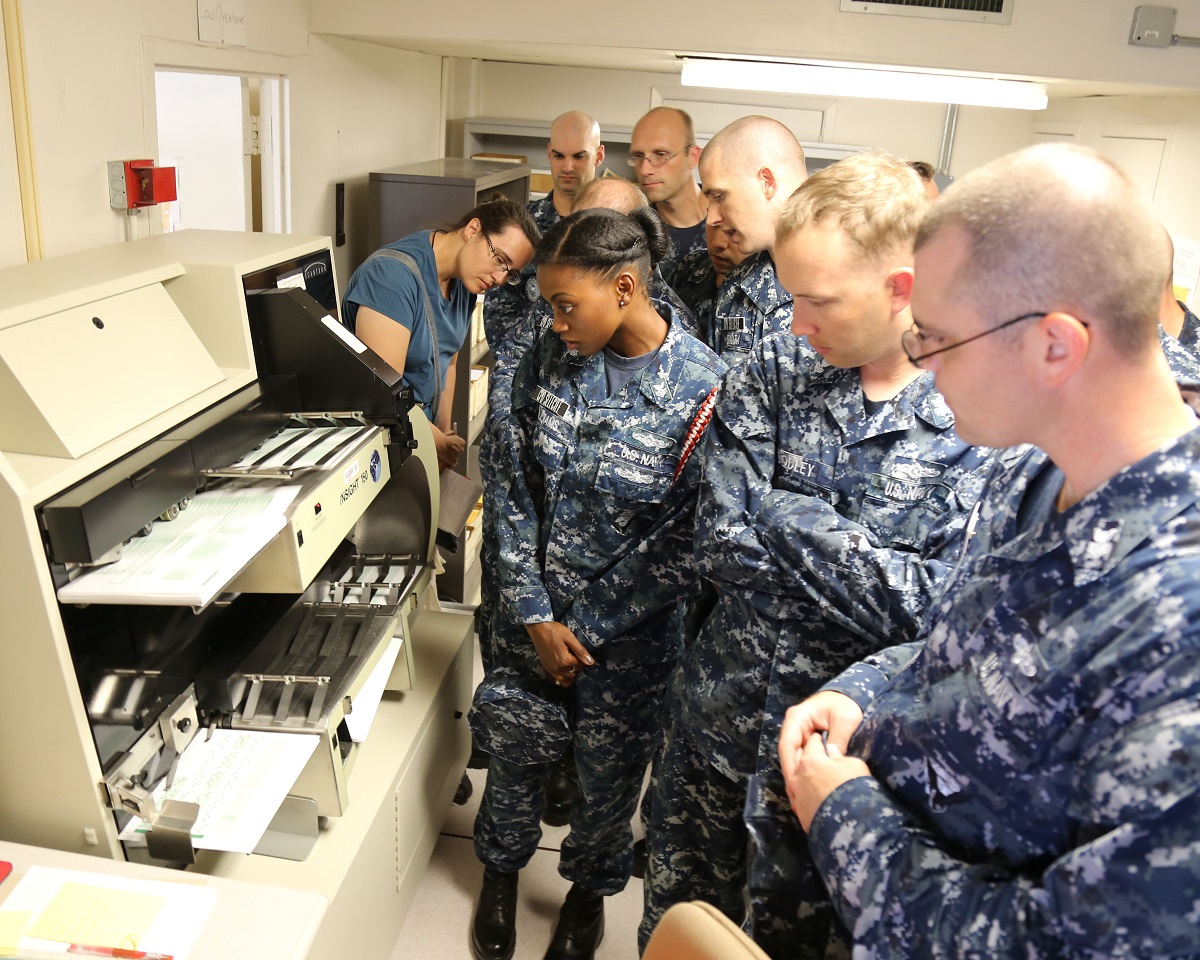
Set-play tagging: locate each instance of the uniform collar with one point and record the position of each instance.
(543, 212)
(755, 277)
(656, 382)
(1106, 525)
(919, 400)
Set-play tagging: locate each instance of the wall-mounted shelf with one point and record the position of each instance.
(529, 138)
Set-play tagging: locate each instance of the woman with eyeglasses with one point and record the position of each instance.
(411, 301)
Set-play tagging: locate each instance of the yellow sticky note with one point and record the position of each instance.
(99, 916)
(12, 929)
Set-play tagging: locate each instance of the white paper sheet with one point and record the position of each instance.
(366, 704)
(283, 449)
(239, 778)
(175, 930)
(1186, 270)
(190, 559)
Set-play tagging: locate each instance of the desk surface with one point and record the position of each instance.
(249, 921)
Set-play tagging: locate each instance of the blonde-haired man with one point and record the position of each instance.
(836, 491)
(1030, 785)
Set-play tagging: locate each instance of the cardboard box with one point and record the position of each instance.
(500, 157)
(479, 390)
(476, 333)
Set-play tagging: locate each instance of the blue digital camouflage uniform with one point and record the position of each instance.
(827, 531)
(1189, 336)
(752, 304)
(684, 241)
(695, 281)
(596, 533)
(513, 317)
(1183, 354)
(1036, 788)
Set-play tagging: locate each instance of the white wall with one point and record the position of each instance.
(354, 107)
(1079, 39)
(619, 98)
(1178, 197)
(12, 234)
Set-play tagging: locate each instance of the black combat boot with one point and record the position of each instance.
(562, 796)
(580, 926)
(640, 858)
(494, 927)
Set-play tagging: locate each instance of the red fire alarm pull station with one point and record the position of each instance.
(139, 183)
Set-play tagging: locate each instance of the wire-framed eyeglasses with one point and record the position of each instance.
(913, 340)
(655, 159)
(512, 276)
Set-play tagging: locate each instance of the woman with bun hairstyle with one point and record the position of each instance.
(411, 300)
(599, 490)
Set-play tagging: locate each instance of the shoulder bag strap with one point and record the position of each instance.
(409, 262)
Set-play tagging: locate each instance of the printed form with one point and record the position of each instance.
(239, 778)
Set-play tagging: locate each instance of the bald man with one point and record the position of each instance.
(664, 156)
(513, 316)
(575, 153)
(1022, 781)
(748, 171)
(612, 193)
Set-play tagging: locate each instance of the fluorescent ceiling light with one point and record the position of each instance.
(877, 84)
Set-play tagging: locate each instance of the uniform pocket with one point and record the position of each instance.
(905, 500)
(630, 482)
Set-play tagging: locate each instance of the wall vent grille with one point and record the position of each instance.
(980, 11)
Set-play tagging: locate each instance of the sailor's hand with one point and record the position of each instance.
(812, 746)
(818, 768)
(561, 653)
(449, 447)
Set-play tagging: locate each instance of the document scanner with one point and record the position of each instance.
(152, 392)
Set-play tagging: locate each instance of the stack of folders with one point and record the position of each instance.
(65, 914)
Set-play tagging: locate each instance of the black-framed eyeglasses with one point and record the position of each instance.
(912, 339)
(656, 159)
(512, 276)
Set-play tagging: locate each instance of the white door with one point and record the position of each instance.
(223, 135)
(1140, 157)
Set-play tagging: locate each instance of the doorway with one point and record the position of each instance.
(225, 135)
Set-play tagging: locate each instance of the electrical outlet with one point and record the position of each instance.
(1152, 27)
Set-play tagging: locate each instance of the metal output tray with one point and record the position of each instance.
(308, 663)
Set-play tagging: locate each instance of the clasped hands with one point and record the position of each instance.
(559, 650)
(449, 446)
(812, 751)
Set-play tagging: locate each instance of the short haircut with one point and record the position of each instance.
(1057, 227)
(615, 193)
(685, 119)
(874, 196)
(757, 141)
(576, 121)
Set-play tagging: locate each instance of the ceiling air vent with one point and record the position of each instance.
(980, 11)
